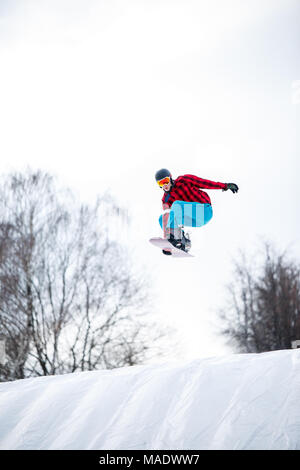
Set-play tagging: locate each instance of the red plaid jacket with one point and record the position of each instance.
(187, 188)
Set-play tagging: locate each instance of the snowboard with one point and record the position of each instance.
(164, 244)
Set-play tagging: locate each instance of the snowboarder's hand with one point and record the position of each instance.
(232, 186)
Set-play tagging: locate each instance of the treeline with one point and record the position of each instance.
(263, 310)
(70, 299)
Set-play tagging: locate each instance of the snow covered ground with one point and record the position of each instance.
(242, 401)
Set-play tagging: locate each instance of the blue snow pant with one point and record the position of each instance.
(188, 214)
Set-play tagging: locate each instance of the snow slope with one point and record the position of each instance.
(243, 401)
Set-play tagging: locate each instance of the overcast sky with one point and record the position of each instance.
(103, 93)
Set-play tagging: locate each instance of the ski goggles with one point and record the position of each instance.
(165, 180)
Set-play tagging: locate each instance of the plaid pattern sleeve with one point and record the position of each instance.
(201, 183)
(187, 188)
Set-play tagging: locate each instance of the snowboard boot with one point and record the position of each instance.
(179, 239)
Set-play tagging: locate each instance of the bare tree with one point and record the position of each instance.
(69, 296)
(263, 311)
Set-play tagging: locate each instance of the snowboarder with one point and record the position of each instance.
(185, 205)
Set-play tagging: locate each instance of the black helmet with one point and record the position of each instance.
(160, 174)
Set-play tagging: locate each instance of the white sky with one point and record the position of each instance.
(104, 93)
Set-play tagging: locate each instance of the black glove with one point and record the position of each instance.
(232, 186)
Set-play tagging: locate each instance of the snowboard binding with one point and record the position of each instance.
(181, 242)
